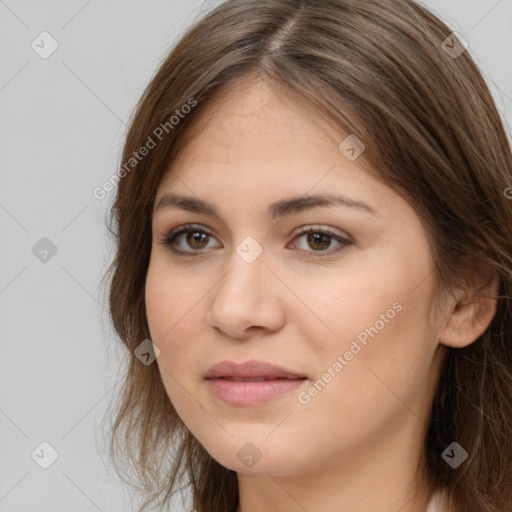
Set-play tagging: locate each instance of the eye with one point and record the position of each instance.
(196, 238)
(320, 239)
(317, 238)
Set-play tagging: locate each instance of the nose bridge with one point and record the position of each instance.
(245, 278)
(242, 298)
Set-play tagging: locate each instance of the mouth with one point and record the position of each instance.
(251, 383)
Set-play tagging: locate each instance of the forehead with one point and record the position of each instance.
(255, 130)
(255, 145)
(259, 116)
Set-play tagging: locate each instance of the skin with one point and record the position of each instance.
(364, 430)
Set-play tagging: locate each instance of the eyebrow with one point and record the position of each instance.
(278, 209)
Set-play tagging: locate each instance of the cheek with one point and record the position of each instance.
(171, 301)
(379, 318)
(386, 363)
(373, 385)
(380, 293)
(176, 313)
(170, 314)
(172, 320)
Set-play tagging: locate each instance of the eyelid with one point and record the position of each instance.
(324, 229)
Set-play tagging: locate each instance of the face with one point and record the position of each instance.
(335, 294)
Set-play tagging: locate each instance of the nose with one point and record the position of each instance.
(247, 299)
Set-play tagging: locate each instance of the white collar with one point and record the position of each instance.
(437, 503)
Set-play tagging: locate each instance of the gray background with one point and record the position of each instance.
(63, 122)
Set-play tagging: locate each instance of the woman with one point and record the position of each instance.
(313, 269)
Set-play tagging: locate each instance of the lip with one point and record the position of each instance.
(251, 382)
(250, 370)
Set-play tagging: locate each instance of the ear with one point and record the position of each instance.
(472, 311)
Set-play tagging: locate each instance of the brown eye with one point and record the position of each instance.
(319, 241)
(196, 239)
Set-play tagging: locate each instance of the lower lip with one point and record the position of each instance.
(251, 393)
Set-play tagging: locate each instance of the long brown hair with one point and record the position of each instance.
(386, 71)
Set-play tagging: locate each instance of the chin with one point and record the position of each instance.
(253, 456)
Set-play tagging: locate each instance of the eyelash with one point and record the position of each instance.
(171, 238)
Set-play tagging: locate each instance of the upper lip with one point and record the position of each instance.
(250, 369)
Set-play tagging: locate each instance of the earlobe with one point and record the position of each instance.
(472, 313)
